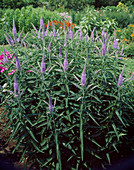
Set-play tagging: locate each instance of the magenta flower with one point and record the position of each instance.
(83, 76)
(66, 62)
(43, 64)
(50, 104)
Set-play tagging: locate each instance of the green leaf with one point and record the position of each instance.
(118, 115)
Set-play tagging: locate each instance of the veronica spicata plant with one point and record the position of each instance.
(70, 111)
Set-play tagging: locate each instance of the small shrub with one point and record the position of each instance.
(69, 104)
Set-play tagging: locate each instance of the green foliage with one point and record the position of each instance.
(93, 19)
(24, 17)
(70, 4)
(129, 50)
(87, 123)
(19, 3)
(119, 17)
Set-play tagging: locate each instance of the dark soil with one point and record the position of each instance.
(124, 160)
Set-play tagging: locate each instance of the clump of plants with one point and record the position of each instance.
(69, 104)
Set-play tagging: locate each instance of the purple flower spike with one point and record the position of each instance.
(104, 44)
(50, 104)
(103, 33)
(17, 62)
(35, 28)
(60, 53)
(83, 76)
(81, 33)
(43, 64)
(92, 34)
(47, 28)
(14, 30)
(121, 53)
(64, 27)
(41, 22)
(49, 46)
(87, 56)
(120, 80)
(65, 42)
(43, 31)
(66, 62)
(70, 34)
(19, 36)
(16, 87)
(115, 41)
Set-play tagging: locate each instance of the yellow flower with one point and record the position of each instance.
(132, 35)
(118, 30)
(125, 39)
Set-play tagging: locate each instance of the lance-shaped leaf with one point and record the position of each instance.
(66, 62)
(120, 80)
(16, 87)
(43, 64)
(14, 30)
(83, 76)
(50, 104)
(17, 62)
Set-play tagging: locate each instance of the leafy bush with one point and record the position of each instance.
(24, 16)
(129, 50)
(92, 19)
(68, 104)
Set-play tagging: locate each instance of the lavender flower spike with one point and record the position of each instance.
(115, 41)
(41, 22)
(47, 28)
(66, 62)
(19, 36)
(16, 87)
(103, 33)
(83, 76)
(43, 64)
(60, 53)
(14, 30)
(17, 62)
(49, 46)
(120, 80)
(81, 33)
(92, 34)
(50, 104)
(65, 41)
